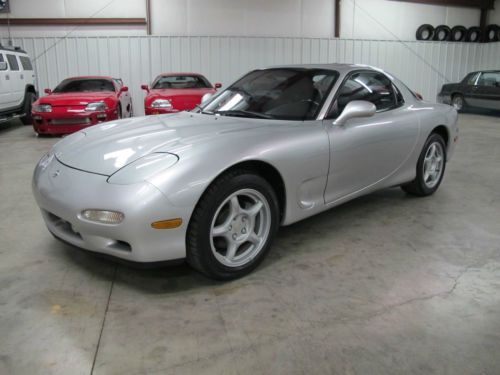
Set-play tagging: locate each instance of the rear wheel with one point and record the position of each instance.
(29, 99)
(233, 225)
(430, 168)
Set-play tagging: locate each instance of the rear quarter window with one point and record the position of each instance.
(2, 60)
(14, 65)
(26, 62)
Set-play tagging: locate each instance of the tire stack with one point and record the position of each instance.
(472, 34)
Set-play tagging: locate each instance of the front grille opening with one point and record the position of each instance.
(63, 225)
(120, 245)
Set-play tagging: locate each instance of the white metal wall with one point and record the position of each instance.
(423, 66)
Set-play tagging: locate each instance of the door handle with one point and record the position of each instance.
(22, 76)
(7, 78)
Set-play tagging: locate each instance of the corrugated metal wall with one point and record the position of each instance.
(423, 66)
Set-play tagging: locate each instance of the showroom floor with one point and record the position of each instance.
(387, 284)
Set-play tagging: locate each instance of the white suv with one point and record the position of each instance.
(17, 85)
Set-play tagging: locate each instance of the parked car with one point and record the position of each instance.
(17, 85)
(80, 102)
(476, 90)
(213, 185)
(175, 92)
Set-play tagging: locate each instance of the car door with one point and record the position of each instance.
(5, 94)
(365, 151)
(486, 92)
(17, 86)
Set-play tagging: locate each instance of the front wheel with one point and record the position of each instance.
(233, 225)
(29, 99)
(430, 168)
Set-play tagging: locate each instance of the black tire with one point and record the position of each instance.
(29, 99)
(425, 32)
(458, 102)
(473, 34)
(458, 34)
(491, 33)
(418, 186)
(198, 241)
(119, 112)
(442, 33)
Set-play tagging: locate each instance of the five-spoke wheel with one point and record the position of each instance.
(233, 225)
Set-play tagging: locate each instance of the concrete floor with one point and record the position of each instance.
(387, 284)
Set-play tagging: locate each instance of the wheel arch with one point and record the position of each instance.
(442, 130)
(264, 169)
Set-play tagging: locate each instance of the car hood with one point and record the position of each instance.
(103, 149)
(75, 98)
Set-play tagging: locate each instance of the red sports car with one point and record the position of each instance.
(79, 102)
(175, 92)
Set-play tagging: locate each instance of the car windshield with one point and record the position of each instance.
(87, 84)
(281, 93)
(181, 82)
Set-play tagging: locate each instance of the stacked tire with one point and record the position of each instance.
(458, 33)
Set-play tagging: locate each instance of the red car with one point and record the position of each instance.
(79, 102)
(175, 92)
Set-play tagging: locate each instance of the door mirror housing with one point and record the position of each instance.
(145, 87)
(124, 89)
(355, 109)
(206, 97)
(47, 91)
(3, 65)
(218, 85)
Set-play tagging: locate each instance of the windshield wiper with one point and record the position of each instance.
(242, 113)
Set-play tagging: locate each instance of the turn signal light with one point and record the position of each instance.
(167, 224)
(103, 216)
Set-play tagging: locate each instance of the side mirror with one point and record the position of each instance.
(218, 85)
(206, 97)
(354, 109)
(3, 65)
(124, 89)
(47, 91)
(145, 87)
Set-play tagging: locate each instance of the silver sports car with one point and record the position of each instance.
(213, 185)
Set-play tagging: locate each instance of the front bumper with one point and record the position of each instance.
(66, 120)
(63, 193)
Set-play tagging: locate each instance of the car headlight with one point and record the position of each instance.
(143, 168)
(42, 108)
(161, 103)
(96, 107)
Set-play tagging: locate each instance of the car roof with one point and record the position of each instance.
(341, 68)
(180, 74)
(92, 77)
(12, 49)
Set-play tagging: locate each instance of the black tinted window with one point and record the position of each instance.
(489, 79)
(282, 93)
(14, 65)
(26, 63)
(79, 85)
(2, 60)
(372, 87)
(181, 82)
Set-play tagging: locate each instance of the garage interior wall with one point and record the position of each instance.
(263, 33)
(423, 66)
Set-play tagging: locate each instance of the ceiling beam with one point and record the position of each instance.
(72, 21)
(481, 4)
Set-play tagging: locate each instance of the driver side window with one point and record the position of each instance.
(373, 87)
